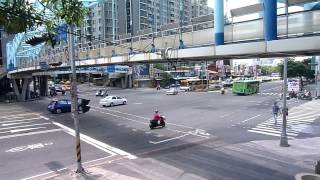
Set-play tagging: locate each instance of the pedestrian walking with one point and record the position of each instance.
(275, 111)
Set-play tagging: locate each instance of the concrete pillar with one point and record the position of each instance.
(270, 20)
(130, 81)
(122, 83)
(218, 22)
(16, 84)
(126, 81)
(43, 85)
(21, 92)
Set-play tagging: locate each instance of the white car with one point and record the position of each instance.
(113, 100)
(172, 91)
(184, 88)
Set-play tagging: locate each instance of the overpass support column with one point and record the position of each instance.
(21, 92)
(270, 20)
(130, 80)
(43, 82)
(218, 16)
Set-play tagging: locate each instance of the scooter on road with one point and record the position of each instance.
(154, 123)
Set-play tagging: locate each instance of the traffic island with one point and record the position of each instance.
(307, 176)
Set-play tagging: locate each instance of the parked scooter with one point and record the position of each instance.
(153, 123)
(305, 96)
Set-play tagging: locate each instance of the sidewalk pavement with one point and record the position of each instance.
(302, 153)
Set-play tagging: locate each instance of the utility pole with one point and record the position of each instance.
(284, 138)
(74, 99)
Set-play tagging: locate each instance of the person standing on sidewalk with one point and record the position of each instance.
(275, 111)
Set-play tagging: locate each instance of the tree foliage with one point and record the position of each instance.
(298, 69)
(166, 79)
(20, 15)
(268, 70)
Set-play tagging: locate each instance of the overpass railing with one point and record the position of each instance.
(304, 23)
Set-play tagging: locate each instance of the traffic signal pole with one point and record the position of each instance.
(74, 98)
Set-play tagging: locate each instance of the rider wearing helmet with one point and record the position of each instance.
(156, 116)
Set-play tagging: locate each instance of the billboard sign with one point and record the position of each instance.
(117, 69)
(141, 69)
(293, 85)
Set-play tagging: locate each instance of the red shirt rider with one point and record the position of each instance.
(156, 116)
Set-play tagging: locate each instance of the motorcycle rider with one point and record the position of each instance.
(156, 116)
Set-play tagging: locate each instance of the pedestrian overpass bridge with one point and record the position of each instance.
(298, 34)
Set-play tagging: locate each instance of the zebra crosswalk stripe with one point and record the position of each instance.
(299, 118)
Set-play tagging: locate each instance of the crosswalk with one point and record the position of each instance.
(15, 122)
(269, 93)
(299, 118)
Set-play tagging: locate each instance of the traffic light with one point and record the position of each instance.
(35, 40)
(84, 105)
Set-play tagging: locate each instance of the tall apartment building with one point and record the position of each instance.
(111, 18)
(153, 13)
(200, 8)
(101, 23)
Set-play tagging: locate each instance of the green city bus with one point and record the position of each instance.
(245, 87)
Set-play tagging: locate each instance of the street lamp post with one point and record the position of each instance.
(74, 99)
(284, 138)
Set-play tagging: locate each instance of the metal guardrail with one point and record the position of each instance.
(194, 35)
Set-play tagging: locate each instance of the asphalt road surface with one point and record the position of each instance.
(199, 125)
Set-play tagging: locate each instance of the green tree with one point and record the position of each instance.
(166, 78)
(20, 15)
(298, 69)
(268, 70)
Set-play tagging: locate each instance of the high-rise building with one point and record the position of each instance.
(101, 23)
(200, 8)
(112, 18)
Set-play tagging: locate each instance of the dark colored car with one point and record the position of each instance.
(59, 106)
(57, 89)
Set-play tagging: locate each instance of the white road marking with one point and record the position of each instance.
(299, 118)
(251, 118)
(170, 139)
(24, 126)
(29, 134)
(10, 124)
(137, 103)
(13, 111)
(21, 130)
(223, 116)
(98, 144)
(31, 147)
(20, 115)
(20, 120)
(158, 135)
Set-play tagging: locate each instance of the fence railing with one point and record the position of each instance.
(194, 35)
